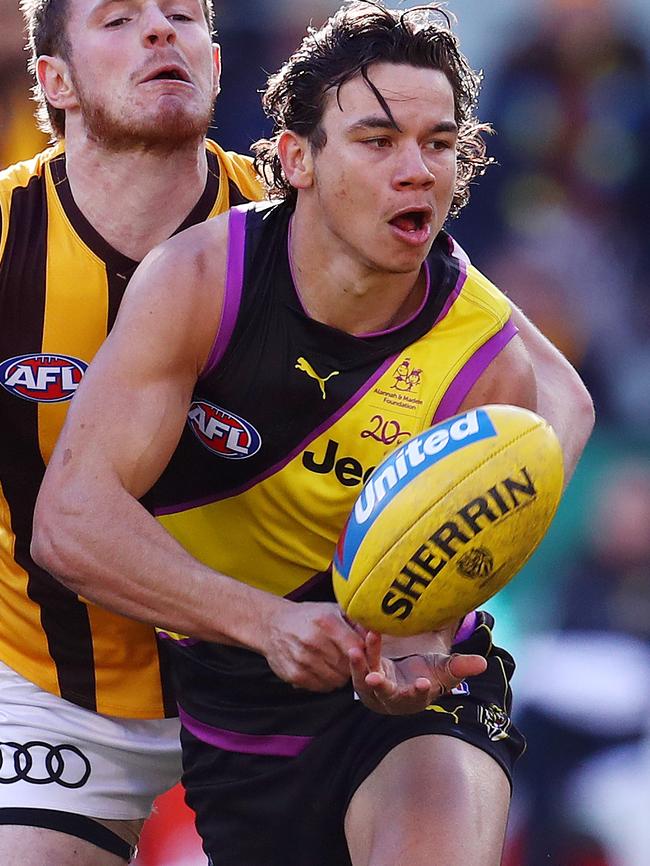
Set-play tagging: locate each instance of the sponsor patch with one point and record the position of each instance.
(496, 721)
(42, 378)
(461, 689)
(304, 365)
(41, 763)
(404, 392)
(436, 708)
(223, 433)
(417, 455)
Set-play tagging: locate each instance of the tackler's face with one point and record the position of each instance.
(384, 181)
(143, 70)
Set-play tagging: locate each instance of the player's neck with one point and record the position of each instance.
(135, 200)
(339, 290)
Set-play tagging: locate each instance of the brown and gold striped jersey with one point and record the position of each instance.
(60, 287)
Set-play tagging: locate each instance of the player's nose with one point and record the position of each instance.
(412, 169)
(157, 28)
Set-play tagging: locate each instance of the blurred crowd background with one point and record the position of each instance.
(562, 224)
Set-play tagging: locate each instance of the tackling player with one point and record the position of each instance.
(89, 737)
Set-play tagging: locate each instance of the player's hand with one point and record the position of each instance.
(308, 643)
(410, 684)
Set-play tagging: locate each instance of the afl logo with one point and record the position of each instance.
(42, 378)
(223, 433)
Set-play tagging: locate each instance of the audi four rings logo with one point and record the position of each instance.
(41, 763)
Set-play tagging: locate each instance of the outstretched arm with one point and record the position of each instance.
(531, 372)
(124, 423)
(561, 395)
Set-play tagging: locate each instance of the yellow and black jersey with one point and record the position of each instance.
(60, 288)
(291, 415)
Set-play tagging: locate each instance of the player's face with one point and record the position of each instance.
(145, 72)
(385, 189)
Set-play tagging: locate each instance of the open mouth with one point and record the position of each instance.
(410, 221)
(170, 74)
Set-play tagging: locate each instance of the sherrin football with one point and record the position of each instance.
(447, 519)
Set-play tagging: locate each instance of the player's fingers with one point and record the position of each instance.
(424, 693)
(386, 691)
(461, 666)
(373, 650)
(405, 699)
(359, 672)
(358, 662)
(456, 668)
(340, 639)
(361, 630)
(378, 681)
(325, 670)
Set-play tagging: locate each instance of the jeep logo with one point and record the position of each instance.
(348, 470)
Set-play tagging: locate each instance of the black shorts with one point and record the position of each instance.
(288, 810)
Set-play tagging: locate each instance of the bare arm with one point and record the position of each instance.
(510, 378)
(561, 395)
(124, 423)
(531, 372)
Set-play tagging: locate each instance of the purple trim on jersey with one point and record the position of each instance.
(427, 289)
(470, 372)
(186, 641)
(460, 282)
(232, 290)
(280, 745)
(297, 593)
(206, 500)
(457, 251)
(467, 627)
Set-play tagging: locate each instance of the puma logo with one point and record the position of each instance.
(304, 365)
(453, 713)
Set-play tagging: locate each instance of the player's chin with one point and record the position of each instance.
(400, 263)
(404, 258)
(173, 126)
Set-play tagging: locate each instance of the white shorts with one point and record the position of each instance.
(56, 755)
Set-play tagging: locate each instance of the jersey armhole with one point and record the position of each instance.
(232, 291)
(467, 376)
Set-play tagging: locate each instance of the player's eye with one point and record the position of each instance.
(116, 22)
(180, 16)
(379, 142)
(439, 144)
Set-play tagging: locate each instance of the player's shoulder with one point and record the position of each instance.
(210, 236)
(192, 259)
(237, 161)
(477, 289)
(239, 169)
(21, 191)
(20, 174)
(177, 293)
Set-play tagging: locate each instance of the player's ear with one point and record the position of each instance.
(56, 82)
(297, 161)
(216, 55)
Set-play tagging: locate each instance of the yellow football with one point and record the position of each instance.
(447, 519)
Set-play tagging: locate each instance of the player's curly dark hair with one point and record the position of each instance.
(361, 33)
(47, 33)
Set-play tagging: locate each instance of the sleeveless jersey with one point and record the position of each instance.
(291, 415)
(60, 287)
